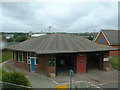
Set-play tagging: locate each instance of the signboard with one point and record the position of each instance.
(81, 61)
(106, 59)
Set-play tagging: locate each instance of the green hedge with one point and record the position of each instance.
(15, 78)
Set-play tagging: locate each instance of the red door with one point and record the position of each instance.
(81, 64)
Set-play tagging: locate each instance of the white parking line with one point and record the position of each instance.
(77, 82)
(53, 81)
(102, 84)
(92, 84)
(105, 83)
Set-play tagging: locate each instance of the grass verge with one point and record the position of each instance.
(115, 62)
(0, 74)
(5, 55)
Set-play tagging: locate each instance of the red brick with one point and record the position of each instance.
(111, 53)
(41, 67)
(101, 36)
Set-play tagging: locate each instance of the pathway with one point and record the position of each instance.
(95, 79)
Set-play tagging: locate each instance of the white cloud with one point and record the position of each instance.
(63, 16)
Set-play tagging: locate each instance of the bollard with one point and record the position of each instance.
(76, 87)
(71, 75)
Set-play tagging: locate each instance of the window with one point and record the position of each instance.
(36, 59)
(51, 62)
(28, 58)
(20, 57)
(14, 55)
(101, 40)
(32, 55)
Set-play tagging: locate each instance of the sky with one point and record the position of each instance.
(70, 17)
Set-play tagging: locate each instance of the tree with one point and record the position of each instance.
(21, 38)
(90, 38)
(9, 40)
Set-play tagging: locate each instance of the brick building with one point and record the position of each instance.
(58, 53)
(110, 38)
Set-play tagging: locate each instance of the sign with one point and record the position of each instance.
(59, 87)
(81, 61)
(106, 59)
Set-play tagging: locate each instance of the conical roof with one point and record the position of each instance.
(59, 43)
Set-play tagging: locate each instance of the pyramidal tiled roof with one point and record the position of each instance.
(59, 43)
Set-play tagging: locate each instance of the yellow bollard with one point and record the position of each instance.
(61, 87)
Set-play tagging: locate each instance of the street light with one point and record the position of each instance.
(50, 28)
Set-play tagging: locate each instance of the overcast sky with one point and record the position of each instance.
(63, 16)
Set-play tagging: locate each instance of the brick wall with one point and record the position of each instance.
(22, 65)
(101, 36)
(115, 53)
(111, 53)
(106, 63)
(116, 46)
(41, 67)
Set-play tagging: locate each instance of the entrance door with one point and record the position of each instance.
(32, 66)
(81, 64)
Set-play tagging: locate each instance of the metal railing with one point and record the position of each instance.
(11, 85)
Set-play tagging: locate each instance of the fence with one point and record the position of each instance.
(11, 85)
(76, 85)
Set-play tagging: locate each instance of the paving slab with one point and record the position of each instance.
(95, 79)
(37, 80)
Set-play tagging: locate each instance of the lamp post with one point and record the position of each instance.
(50, 28)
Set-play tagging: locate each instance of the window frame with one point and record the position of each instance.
(54, 60)
(15, 55)
(36, 59)
(101, 40)
(19, 56)
(27, 59)
(34, 56)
